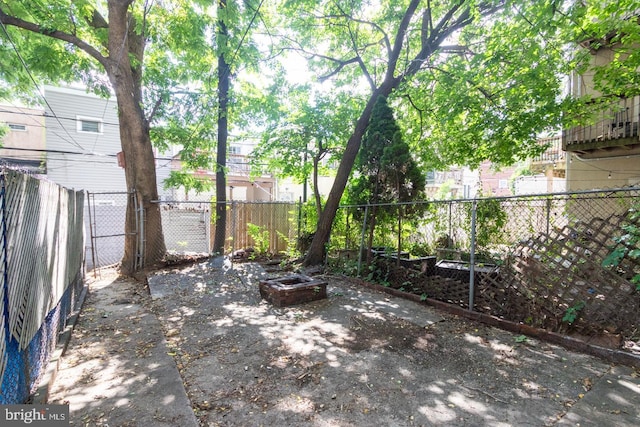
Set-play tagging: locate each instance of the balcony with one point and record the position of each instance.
(614, 133)
(238, 164)
(553, 154)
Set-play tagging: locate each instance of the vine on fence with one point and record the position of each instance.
(628, 245)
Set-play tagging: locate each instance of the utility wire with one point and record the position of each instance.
(26, 68)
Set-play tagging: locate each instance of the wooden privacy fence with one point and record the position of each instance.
(277, 220)
(190, 226)
(41, 261)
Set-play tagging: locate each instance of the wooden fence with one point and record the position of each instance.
(190, 227)
(277, 220)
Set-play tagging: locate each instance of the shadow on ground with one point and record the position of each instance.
(204, 343)
(357, 358)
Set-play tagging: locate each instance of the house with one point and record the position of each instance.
(548, 170)
(83, 142)
(23, 146)
(495, 182)
(606, 152)
(454, 183)
(241, 185)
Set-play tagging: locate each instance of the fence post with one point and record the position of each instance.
(548, 214)
(299, 221)
(472, 253)
(450, 232)
(233, 226)
(91, 234)
(364, 228)
(140, 230)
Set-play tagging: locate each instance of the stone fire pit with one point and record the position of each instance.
(292, 290)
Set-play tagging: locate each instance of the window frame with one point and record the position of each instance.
(82, 119)
(20, 127)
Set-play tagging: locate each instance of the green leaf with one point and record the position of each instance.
(614, 258)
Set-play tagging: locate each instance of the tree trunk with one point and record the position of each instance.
(372, 227)
(316, 253)
(432, 38)
(140, 172)
(316, 189)
(141, 178)
(399, 236)
(221, 157)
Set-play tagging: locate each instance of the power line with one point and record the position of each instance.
(24, 65)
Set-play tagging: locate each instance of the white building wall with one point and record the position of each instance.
(77, 159)
(84, 160)
(539, 184)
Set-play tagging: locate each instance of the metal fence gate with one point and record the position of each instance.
(105, 226)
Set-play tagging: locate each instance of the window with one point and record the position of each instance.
(17, 127)
(89, 125)
(234, 149)
(503, 183)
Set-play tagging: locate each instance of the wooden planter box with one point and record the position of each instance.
(425, 264)
(459, 270)
(292, 290)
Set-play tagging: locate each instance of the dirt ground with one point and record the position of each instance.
(357, 358)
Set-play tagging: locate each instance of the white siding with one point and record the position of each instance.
(87, 160)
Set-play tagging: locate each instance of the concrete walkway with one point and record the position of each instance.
(118, 370)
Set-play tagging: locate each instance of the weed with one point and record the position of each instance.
(572, 312)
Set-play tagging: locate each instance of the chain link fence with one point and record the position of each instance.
(105, 214)
(539, 260)
(536, 259)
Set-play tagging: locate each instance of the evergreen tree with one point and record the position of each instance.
(387, 172)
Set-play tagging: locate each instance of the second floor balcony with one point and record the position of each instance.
(613, 133)
(553, 154)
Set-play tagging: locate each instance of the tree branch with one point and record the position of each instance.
(340, 66)
(488, 95)
(398, 42)
(445, 27)
(97, 20)
(155, 109)
(354, 45)
(344, 15)
(418, 109)
(60, 35)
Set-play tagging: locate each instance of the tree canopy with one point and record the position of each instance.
(474, 80)
(158, 59)
(470, 80)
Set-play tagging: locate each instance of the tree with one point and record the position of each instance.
(224, 70)
(418, 51)
(145, 50)
(304, 134)
(387, 172)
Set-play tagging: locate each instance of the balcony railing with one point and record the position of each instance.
(553, 153)
(615, 127)
(238, 164)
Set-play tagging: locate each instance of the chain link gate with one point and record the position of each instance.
(106, 213)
